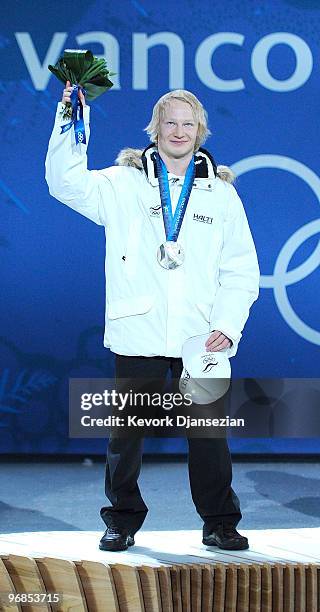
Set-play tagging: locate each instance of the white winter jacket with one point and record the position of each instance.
(150, 310)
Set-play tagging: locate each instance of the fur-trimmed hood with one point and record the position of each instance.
(205, 164)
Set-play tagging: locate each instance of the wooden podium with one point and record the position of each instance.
(164, 572)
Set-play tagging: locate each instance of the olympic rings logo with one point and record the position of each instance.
(281, 277)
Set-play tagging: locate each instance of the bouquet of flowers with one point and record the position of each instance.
(82, 68)
(86, 73)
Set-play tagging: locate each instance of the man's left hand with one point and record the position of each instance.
(217, 341)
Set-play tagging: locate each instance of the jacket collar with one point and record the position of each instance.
(206, 167)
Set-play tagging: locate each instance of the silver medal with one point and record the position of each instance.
(170, 255)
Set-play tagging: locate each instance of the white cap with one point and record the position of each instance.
(206, 374)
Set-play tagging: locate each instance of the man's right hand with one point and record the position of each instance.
(67, 93)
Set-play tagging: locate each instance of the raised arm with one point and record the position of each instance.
(69, 180)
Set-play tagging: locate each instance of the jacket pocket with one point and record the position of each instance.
(127, 307)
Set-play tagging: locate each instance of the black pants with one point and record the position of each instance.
(209, 463)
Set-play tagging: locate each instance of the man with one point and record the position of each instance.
(168, 278)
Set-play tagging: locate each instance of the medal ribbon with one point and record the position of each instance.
(172, 224)
(76, 117)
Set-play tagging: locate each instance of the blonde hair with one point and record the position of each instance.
(200, 115)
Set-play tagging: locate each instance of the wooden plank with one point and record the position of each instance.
(128, 588)
(26, 578)
(255, 588)
(61, 576)
(185, 570)
(311, 587)
(266, 588)
(150, 588)
(288, 588)
(98, 586)
(243, 595)
(165, 588)
(207, 587)
(219, 587)
(277, 587)
(231, 588)
(176, 588)
(300, 589)
(6, 587)
(196, 587)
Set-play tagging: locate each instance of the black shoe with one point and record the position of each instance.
(115, 538)
(227, 538)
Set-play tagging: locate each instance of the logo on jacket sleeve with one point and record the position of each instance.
(202, 218)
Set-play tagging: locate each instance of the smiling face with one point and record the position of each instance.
(177, 130)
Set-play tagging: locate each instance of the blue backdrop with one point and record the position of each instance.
(254, 65)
